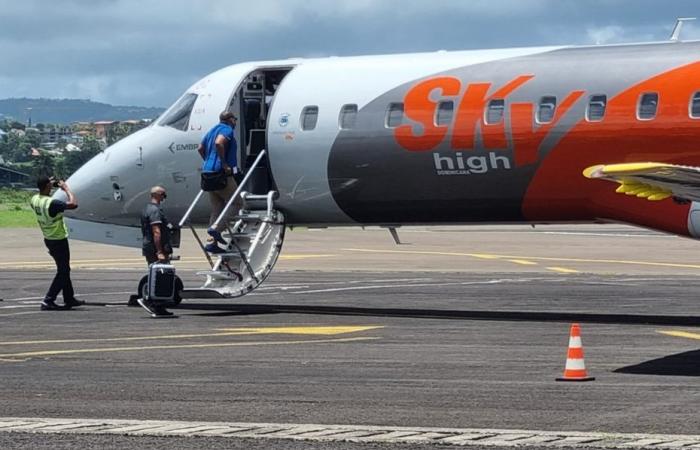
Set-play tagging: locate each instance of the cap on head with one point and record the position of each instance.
(42, 182)
(226, 116)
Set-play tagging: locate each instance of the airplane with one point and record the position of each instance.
(543, 135)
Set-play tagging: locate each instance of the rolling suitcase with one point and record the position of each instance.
(161, 282)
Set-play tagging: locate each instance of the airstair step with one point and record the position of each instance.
(220, 275)
(242, 235)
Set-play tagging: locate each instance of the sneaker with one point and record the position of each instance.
(213, 248)
(148, 306)
(155, 310)
(216, 235)
(72, 303)
(49, 305)
(160, 311)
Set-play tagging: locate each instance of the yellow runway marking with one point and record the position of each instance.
(523, 262)
(88, 261)
(473, 255)
(127, 262)
(327, 331)
(535, 258)
(183, 346)
(683, 334)
(562, 270)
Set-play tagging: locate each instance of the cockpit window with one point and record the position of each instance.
(178, 116)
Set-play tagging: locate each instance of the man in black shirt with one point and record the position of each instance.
(154, 227)
(156, 245)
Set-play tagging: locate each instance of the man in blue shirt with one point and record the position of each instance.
(218, 151)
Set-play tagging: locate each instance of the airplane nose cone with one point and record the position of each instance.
(99, 184)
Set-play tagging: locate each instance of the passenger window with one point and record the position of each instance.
(348, 117)
(309, 118)
(394, 116)
(444, 114)
(546, 109)
(695, 106)
(648, 104)
(494, 111)
(596, 108)
(178, 116)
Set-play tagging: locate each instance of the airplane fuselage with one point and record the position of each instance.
(487, 136)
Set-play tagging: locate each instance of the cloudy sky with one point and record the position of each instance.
(146, 52)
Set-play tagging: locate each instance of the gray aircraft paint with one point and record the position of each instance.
(299, 159)
(374, 180)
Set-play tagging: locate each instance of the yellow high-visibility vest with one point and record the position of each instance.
(54, 228)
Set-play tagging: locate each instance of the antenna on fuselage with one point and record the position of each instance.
(676, 33)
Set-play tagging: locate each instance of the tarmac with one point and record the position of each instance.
(454, 337)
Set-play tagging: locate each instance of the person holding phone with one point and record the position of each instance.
(49, 216)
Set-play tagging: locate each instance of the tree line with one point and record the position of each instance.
(16, 150)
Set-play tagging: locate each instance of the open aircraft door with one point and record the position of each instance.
(256, 231)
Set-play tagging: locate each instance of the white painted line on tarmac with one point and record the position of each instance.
(465, 437)
(384, 286)
(79, 294)
(22, 313)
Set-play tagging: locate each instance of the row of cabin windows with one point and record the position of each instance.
(595, 111)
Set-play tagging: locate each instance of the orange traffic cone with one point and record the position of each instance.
(575, 366)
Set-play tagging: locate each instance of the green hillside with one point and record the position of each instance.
(65, 111)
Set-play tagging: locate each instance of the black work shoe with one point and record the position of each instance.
(49, 305)
(133, 300)
(72, 303)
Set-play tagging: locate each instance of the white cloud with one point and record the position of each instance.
(147, 51)
(613, 34)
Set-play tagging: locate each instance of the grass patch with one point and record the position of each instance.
(15, 211)
(24, 218)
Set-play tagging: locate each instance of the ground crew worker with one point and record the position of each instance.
(156, 246)
(49, 215)
(219, 153)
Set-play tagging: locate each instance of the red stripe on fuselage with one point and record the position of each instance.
(559, 191)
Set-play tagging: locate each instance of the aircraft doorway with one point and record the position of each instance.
(252, 103)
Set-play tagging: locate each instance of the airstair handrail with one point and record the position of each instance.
(189, 210)
(235, 195)
(228, 205)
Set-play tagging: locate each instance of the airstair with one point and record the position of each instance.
(253, 238)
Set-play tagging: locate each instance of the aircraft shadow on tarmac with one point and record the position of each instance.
(526, 316)
(685, 364)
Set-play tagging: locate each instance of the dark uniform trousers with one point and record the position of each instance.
(152, 257)
(60, 252)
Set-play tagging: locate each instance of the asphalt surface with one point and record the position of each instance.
(385, 346)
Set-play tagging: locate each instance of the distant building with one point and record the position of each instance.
(9, 177)
(54, 134)
(103, 127)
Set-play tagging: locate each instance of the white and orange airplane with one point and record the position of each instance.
(527, 135)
